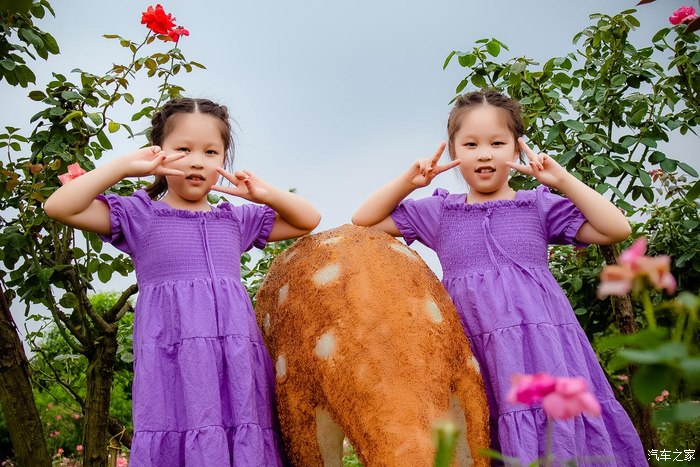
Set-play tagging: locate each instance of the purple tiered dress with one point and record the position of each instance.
(203, 392)
(517, 318)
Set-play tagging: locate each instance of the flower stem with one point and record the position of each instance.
(649, 309)
(548, 444)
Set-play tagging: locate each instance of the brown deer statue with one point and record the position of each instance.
(368, 345)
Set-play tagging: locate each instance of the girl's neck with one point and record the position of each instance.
(175, 202)
(506, 193)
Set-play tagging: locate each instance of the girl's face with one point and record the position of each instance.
(199, 137)
(483, 144)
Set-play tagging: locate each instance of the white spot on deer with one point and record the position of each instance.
(475, 364)
(325, 345)
(331, 241)
(403, 249)
(282, 294)
(327, 274)
(281, 367)
(266, 323)
(289, 256)
(433, 310)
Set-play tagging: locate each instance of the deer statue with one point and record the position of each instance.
(367, 345)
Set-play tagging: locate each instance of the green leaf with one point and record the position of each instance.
(95, 117)
(650, 381)
(104, 141)
(104, 272)
(447, 60)
(113, 127)
(31, 37)
(575, 125)
(37, 96)
(493, 47)
(466, 60)
(669, 165)
(71, 95)
(688, 169)
(44, 275)
(694, 192)
(71, 115)
(8, 64)
(69, 300)
(644, 177)
(684, 412)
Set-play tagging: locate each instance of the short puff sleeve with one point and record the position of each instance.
(129, 220)
(419, 219)
(255, 223)
(561, 219)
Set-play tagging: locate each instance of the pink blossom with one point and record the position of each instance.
(58, 417)
(570, 398)
(561, 397)
(76, 416)
(79, 448)
(530, 389)
(622, 377)
(684, 14)
(631, 255)
(122, 462)
(618, 279)
(661, 397)
(74, 171)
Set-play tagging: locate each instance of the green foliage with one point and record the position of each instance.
(254, 276)
(16, 23)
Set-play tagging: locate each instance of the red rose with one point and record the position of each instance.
(177, 32)
(157, 20)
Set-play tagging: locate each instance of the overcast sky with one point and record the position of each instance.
(332, 98)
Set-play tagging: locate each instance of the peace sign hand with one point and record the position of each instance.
(151, 161)
(246, 185)
(541, 166)
(423, 171)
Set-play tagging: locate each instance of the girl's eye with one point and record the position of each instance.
(498, 143)
(212, 152)
(470, 145)
(183, 149)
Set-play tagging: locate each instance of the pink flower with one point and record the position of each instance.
(570, 399)
(76, 416)
(530, 389)
(622, 377)
(122, 462)
(631, 255)
(58, 417)
(684, 14)
(79, 448)
(177, 32)
(618, 279)
(74, 171)
(662, 396)
(561, 397)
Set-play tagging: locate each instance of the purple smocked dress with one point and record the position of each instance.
(518, 319)
(203, 392)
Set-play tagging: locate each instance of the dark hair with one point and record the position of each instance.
(467, 102)
(162, 125)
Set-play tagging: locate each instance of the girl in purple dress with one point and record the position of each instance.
(492, 245)
(203, 392)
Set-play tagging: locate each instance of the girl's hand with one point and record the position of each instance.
(150, 161)
(246, 185)
(545, 169)
(423, 171)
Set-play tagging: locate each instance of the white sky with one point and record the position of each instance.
(332, 98)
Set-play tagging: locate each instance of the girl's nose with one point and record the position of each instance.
(484, 156)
